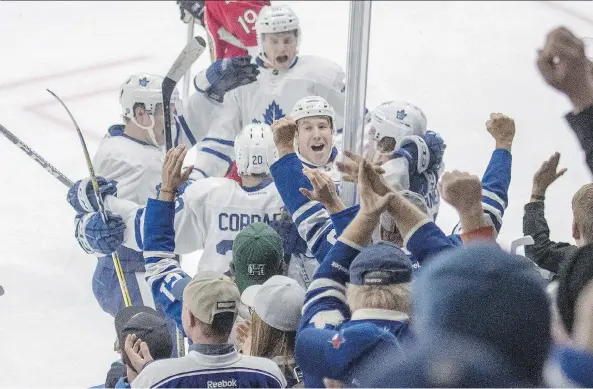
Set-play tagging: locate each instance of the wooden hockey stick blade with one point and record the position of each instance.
(188, 56)
(527, 240)
(182, 65)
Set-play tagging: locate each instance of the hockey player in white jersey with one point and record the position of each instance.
(410, 154)
(128, 161)
(211, 212)
(284, 78)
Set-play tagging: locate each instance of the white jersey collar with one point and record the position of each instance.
(378, 314)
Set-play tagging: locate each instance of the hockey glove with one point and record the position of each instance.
(437, 147)
(225, 75)
(98, 237)
(193, 9)
(82, 197)
(291, 240)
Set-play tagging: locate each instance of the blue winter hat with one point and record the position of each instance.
(442, 362)
(485, 294)
(383, 263)
(341, 354)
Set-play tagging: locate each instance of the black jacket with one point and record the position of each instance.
(582, 125)
(545, 253)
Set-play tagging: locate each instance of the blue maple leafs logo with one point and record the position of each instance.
(273, 112)
(401, 115)
(143, 81)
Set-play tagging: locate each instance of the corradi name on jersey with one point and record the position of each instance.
(209, 215)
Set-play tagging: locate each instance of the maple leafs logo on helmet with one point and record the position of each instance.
(143, 82)
(401, 115)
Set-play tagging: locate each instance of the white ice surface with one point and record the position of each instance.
(459, 61)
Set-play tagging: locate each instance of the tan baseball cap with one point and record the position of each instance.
(210, 293)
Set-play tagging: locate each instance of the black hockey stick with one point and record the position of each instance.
(188, 56)
(40, 160)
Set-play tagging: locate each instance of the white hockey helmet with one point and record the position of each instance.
(276, 18)
(396, 119)
(255, 150)
(313, 106)
(145, 88)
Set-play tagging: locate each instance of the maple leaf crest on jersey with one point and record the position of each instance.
(273, 112)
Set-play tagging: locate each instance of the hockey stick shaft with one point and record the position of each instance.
(182, 67)
(191, 52)
(38, 158)
(116, 261)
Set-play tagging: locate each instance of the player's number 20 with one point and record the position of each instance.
(249, 17)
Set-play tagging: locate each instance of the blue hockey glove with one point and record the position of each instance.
(291, 240)
(82, 197)
(98, 237)
(437, 147)
(225, 75)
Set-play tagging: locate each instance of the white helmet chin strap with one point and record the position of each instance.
(149, 129)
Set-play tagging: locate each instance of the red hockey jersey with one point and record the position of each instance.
(231, 27)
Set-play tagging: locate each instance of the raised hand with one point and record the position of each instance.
(324, 190)
(284, 132)
(372, 204)
(462, 190)
(137, 352)
(546, 175)
(564, 66)
(350, 169)
(172, 176)
(502, 129)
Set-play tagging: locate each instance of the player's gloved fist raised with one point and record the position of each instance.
(502, 129)
(225, 75)
(462, 190)
(99, 237)
(82, 197)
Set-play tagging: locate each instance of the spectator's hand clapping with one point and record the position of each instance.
(284, 132)
(372, 204)
(172, 176)
(564, 66)
(462, 190)
(138, 352)
(546, 175)
(350, 169)
(324, 190)
(243, 336)
(502, 129)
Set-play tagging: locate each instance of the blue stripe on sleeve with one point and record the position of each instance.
(217, 154)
